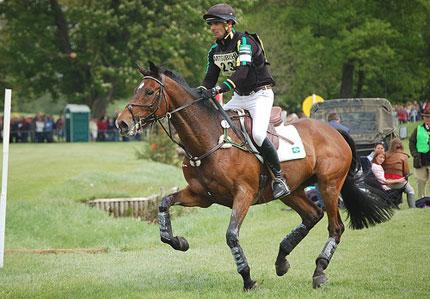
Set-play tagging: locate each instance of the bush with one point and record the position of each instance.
(158, 147)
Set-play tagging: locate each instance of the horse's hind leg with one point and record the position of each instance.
(310, 214)
(186, 198)
(330, 193)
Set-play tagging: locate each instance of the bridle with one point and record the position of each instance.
(153, 108)
(141, 122)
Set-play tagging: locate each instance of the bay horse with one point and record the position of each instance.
(231, 176)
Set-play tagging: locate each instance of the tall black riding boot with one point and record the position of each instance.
(279, 185)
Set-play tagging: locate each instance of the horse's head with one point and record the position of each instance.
(147, 105)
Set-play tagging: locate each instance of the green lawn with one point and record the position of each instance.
(48, 182)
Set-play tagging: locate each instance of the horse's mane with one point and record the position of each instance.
(178, 79)
(157, 71)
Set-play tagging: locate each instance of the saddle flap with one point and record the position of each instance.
(276, 116)
(248, 127)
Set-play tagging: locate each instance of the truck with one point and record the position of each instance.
(371, 120)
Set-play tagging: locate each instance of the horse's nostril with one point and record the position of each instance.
(123, 125)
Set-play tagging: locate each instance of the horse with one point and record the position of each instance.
(232, 176)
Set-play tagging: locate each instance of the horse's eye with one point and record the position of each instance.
(149, 92)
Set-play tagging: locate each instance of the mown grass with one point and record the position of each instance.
(48, 183)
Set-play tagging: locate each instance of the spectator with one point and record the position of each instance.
(14, 135)
(396, 166)
(379, 148)
(102, 126)
(420, 150)
(93, 129)
(48, 129)
(334, 121)
(378, 171)
(402, 115)
(25, 129)
(413, 115)
(111, 130)
(59, 127)
(39, 127)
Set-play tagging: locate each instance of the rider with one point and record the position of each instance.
(241, 58)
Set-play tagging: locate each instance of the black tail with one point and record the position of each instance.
(366, 205)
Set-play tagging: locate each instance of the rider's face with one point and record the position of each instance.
(218, 29)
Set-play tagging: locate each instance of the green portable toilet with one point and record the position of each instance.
(77, 123)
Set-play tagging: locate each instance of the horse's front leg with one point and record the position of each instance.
(241, 204)
(186, 198)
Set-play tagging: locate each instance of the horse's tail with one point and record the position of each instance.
(366, 205)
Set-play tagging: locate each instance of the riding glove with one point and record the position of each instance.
(210, 93)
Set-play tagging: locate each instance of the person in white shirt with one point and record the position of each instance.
(378, 171)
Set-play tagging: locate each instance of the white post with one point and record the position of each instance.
(6, 129)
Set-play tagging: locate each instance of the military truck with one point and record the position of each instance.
(370, 120)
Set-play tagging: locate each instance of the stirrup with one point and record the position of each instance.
(280, 188)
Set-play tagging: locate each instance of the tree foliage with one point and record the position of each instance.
(86, 50)
(347, 48)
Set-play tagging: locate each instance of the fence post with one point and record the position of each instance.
(6, 130)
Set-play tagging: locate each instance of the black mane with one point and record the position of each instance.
(178, 79)
(157, 71)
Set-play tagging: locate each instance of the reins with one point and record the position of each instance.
(152, 117)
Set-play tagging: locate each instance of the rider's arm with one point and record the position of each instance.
(212, 71)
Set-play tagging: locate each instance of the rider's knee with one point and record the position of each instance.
(259, 137)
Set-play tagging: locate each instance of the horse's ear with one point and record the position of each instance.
(153, 68)
(141, 69)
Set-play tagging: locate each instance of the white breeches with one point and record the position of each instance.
(259, 106)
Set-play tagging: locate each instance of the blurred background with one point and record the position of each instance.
(59, 52)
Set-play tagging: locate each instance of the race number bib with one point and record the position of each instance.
(226, 62)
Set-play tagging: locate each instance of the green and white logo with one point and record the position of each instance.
(295, 149)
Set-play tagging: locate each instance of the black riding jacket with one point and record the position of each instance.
(241, 59)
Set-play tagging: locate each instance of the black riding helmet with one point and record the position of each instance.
(220, 13)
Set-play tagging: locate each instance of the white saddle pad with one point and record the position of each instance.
(286, 150)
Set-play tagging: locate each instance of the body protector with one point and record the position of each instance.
(241, 59)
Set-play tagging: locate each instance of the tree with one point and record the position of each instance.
(346, 48)
(87, 50)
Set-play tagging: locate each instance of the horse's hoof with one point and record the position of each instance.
(182, 244)
(319, 281)
(282, 267)
(250, 286)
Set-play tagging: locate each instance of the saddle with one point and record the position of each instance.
(275, 120)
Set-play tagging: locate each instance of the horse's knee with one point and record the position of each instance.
(166, 202)
(232, 238)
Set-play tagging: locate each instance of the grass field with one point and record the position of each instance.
(48, 182)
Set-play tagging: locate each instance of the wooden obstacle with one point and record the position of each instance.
(138, 207)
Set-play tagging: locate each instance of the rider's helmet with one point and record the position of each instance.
(220, 13)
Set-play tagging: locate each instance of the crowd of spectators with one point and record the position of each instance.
(42, 128)
(409, 112)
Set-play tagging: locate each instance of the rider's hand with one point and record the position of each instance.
(210, 93)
